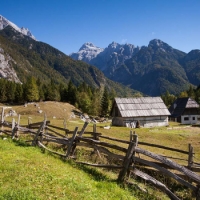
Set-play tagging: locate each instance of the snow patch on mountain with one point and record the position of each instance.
(4, 22)
(87, 52)
(109, 58)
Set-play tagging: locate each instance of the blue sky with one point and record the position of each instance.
(67, 24)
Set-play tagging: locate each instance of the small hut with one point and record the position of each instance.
(142, 111)
(185, 111)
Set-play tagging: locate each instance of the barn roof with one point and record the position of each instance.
(180, 104)
(141, 107)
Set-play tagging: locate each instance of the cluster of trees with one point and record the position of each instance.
(192, 92)
(94, 101)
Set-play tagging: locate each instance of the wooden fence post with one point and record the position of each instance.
(83, 129)
(14, 129)
(41, 128)
(131, 135)
(2, 115)
(29, 122)
(71, 143)
(96, 137)
(190, 156)
(65, 127)
(73, 147)
(127, 160)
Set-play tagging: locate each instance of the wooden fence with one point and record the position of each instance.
(126, 155)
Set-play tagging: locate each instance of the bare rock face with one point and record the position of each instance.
(6, 70)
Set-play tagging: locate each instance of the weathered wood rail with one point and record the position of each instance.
(123, 153)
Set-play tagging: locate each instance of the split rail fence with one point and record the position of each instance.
(126, 155)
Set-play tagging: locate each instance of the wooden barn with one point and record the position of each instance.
(185, 111)
(148, 111)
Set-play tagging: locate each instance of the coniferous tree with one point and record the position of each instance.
(84, 102)
(19, 93)
(3, 97)
(95, 107)
(105, 103)
(40, 88)
(10, 91)
(53, 93)
(71, 93)
(31, 90)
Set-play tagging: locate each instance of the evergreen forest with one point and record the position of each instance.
(94, 101)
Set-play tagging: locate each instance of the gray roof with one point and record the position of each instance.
(141, 107)
(180, 104)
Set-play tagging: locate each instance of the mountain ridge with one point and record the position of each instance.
(152, 69)
(5, 22)
(33, 58)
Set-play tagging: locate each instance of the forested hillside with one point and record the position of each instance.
(32, 58)
(44, 73)
(152, 69)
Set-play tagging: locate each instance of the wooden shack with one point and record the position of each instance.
(185, 111)
(147, 111)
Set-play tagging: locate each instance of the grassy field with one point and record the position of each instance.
(42, 176)
(27, 173)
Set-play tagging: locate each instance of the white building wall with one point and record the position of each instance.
(144, 121)
(189, 119)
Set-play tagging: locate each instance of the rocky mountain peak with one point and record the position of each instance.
(4, 23)
(87, 52)
(160, 45)
(114, 45)
(88, 46)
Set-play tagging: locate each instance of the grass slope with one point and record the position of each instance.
(26, 173)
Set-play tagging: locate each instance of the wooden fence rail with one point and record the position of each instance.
(126, 159)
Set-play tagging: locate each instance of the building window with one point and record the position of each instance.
(193, 118)
(186, 118)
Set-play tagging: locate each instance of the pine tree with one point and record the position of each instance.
(95, 107)
(105, 103)
(3, 97)
(19, 93)
(84, 102)
(71, 93)
(31, 90)
(53, 93)
(10, 91)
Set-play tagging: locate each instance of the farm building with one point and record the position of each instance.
(185, 110)
(148, 111)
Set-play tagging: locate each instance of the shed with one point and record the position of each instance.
(148, 111)
(185, 110)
